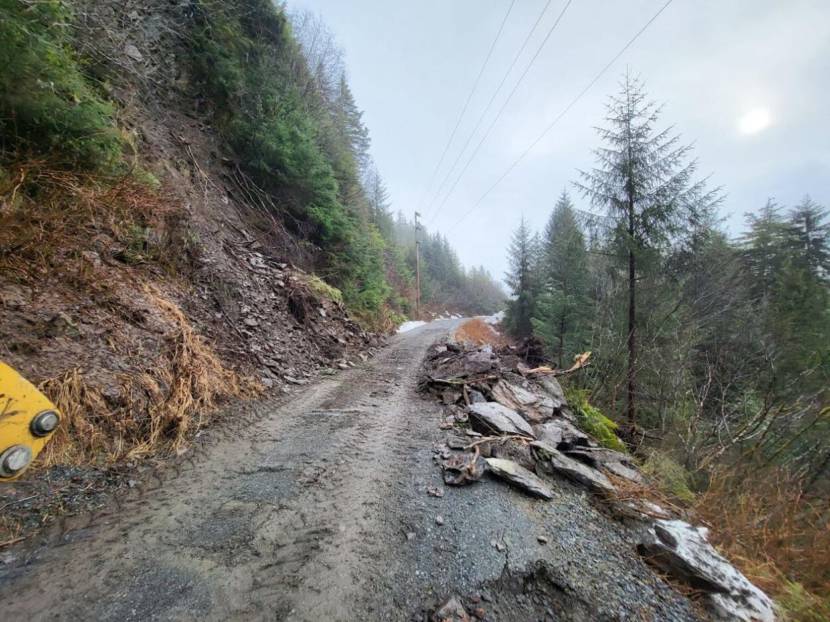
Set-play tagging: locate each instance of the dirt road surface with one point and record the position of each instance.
(317, 510)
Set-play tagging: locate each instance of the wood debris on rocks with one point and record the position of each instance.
(520, 429)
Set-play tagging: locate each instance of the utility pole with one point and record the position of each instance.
(417, 267)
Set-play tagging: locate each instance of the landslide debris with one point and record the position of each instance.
(518, 420)
(143, 304)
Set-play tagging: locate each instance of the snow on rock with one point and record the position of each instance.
(683, 551)
(412, 324)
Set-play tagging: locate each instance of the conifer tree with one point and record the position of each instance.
(644, 179)
(810, 235)
(561, 312)
(521, 280)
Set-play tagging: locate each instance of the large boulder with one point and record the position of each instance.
(498, 419)
(551, 460)
(551, 386)
(683, 551)
(453, 365)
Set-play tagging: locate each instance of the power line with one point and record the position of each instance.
(564, 112)
(466, 103)
(492, 99)
(504, 105)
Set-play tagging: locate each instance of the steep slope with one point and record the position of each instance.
(143, 290)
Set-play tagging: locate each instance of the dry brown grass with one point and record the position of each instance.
(166, 379)
(775, 533)
(47, 214)
(477, 332)
(160, 408)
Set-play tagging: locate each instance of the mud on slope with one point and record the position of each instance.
(140, 310)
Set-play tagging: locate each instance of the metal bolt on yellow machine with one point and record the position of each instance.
(27, 421)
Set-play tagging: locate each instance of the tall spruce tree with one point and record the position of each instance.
(644, 179)
(521, 280)
(810, 234)
(561, 310)
(763, 247)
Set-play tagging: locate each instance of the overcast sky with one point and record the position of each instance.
(747, 81)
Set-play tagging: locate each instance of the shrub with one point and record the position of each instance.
(592, 421)
(47, 106)
(799, 605)
(669, 475)
(776, 533)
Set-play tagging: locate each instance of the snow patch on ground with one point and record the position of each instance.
(493, 319)
(407, 326)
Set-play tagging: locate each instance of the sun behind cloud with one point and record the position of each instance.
(755, 121)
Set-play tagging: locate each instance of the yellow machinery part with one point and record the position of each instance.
(20, 403)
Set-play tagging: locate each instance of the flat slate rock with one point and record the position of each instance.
(615, 462)
(551, 386)
(683, 551)
(554, 461)
(519, 477)
(560, 433)
(534, 408)
(500, 419)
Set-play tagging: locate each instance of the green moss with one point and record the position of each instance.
(47, 105)
(669, 475)
(592, 421)
(800, 605)
(323, 289)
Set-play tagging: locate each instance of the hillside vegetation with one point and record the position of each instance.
(189, 212)
(285, 112)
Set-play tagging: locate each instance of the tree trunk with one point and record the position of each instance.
(631, 410)
(561, 341)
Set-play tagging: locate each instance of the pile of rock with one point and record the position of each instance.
(514, 422)
(517, 420)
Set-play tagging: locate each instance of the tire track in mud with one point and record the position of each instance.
(284, 520)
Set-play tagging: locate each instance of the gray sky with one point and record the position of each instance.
(747, 81)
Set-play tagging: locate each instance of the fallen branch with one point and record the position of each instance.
(580, 361)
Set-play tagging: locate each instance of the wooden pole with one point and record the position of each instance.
(417, 267)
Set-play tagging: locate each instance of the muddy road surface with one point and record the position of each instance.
(316, 509)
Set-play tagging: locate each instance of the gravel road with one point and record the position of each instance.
(317, 510)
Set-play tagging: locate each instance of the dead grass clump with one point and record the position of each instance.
(477, 332)
(48, 217)
(158, 409)
(194, 378)
(777, 535)
(89, 431)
